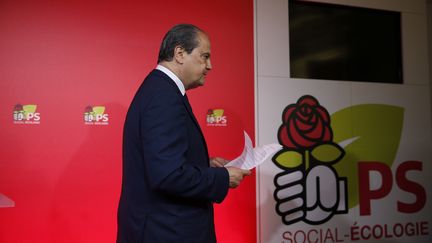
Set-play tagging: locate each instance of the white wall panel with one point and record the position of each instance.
(272, 38)
(275, 90)
(274, 95)
(415, 49)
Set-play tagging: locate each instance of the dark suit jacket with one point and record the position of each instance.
(168, 187)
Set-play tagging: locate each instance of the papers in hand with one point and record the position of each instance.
(252, 157)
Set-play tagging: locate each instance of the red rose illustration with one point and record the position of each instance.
(88, 109)
(305, 124)
(18, 107)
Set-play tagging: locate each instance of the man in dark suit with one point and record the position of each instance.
(169, 183)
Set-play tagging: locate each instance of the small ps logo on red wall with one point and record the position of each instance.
(95, 115)
(216, 117)
(26, 114)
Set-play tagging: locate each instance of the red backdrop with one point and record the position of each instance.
(64, 175)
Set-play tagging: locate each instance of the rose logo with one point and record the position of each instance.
(308, 189)
(305, 132)
(18, 107)
(18, 113)
(305, 124)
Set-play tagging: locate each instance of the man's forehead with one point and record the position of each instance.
(203, 39)
(201, 50)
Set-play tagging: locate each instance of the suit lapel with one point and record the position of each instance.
(189, 109)
(187, 105)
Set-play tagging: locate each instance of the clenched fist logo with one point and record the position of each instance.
(309, 188)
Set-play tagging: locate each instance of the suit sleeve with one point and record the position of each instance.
(165, 144)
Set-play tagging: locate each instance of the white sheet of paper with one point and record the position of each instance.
(6, 202)
(252, 157)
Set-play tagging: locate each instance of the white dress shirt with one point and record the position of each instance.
(174, 77)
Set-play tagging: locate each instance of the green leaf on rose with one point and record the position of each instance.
(288, 159)
(327, 153)
(373, 132)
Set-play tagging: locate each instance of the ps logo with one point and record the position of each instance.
(309, 188)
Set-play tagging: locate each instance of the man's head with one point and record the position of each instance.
(185, 50)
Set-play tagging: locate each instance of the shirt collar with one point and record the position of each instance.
(174, 77)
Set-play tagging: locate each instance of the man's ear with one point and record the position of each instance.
(179, 52)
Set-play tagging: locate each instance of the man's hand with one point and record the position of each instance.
(236, 175)
(218, 162)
